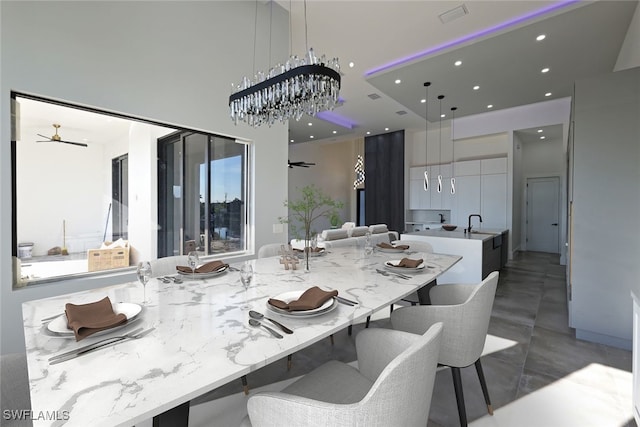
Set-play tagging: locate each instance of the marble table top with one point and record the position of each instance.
(202, 338)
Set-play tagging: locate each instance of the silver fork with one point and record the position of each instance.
(386, 273)
(135, 334)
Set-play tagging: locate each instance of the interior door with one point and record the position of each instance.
(543, 206)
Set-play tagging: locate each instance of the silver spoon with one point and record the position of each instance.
(254, 322)
(260, 316)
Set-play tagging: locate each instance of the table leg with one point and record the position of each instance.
(423, 293)
(176, 417)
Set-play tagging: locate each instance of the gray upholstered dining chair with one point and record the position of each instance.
(15, 387)
(166, 266)
(465, 311)
(392, 385)
(270, 249)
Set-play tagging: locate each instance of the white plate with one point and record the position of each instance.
(287, 297)
(390, 250)
(311, 254)
(58, 326)
(391, 265)
(205, 275)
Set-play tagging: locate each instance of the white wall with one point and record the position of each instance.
(172, 62)
(629, 56)
(606, 173)
(333, 174)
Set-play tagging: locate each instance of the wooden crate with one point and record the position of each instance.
(108, 259)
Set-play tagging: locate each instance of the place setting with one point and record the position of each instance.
(391, 248)
(201, 271)
(306, 303)
(404, 267)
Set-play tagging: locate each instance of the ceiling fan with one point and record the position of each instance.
(299, 164)
(56, 138)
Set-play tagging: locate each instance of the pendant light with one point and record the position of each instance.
(426, 137)
(440, 97)
(453, 152)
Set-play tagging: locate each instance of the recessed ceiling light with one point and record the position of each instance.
(544, 70)
(310, 124)
(368, 133)
(422, 101)
(543, 137)
(351, 65)
(541, 37)
(386, 129)
(443, 115)
(335, 131)
(398, 81)
(476, 87)
(548, 94)
(291, 140)
(490, 106)
(311, 136)
(457, 63)
(539, 130)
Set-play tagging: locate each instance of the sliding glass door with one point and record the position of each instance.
(201, 194)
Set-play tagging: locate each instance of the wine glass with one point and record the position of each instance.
(246, 275)
(144, 274)
(192, 261)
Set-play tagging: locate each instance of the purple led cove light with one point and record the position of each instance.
(336, 119)
(472, 36)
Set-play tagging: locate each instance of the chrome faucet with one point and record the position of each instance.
(472, 215)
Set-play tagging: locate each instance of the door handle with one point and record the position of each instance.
(555, 223)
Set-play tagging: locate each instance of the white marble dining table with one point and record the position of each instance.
(202, 339)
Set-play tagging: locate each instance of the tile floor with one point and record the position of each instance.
(538, 374)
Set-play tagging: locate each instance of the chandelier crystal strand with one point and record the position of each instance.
(425, 184)
(299, 86)
(440, 97)
(359, 169)
(453, 153)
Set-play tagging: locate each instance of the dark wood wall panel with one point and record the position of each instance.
(384, 180)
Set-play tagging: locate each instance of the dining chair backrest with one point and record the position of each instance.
(166, 266)
(465, 311)
(398, 367)
(270, 249)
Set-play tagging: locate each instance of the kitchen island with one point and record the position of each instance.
(482, 251)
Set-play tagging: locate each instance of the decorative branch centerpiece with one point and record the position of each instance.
(312, 205)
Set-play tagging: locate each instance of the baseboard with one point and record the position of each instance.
(624, 344)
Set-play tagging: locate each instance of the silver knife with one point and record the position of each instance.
(346, 301)
(63, 357)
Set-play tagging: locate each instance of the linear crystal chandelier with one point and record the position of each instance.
(299, 86)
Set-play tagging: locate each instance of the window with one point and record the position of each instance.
(103, 202)
(201, 194)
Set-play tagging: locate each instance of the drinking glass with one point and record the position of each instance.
(368, 246)
(144, 274)
(192, 261)
(246, 275)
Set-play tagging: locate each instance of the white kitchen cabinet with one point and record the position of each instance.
(493, 198)
(493, 166)
(466, 168)
(466, 200)
(418, 198)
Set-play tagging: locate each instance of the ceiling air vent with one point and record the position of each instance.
(455, 13)
(374, 96)
(401, 112)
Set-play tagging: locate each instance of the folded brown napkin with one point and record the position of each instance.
(87, 319)
(204, 268)
(390, 246)
(310, 299)
(409, 263)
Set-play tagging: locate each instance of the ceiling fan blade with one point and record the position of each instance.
(46, 137)
(80, 144)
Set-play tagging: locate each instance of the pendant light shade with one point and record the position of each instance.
(440, 97)
(426, 137)
(453, 153)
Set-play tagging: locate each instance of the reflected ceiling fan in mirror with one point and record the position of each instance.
(299, 164)
(56, 138)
